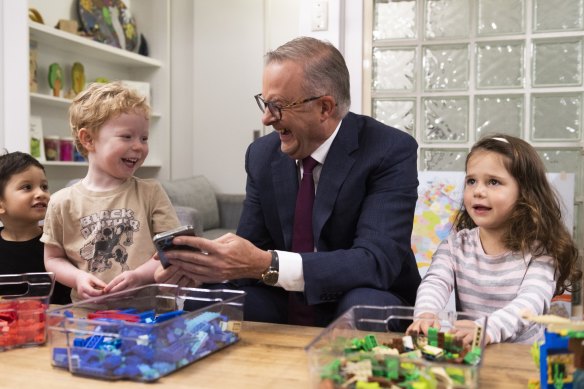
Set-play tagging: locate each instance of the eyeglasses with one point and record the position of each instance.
(275, 109)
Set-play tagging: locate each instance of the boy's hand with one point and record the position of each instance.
(88, 285)
(126, 280)
(423, 322)
(174, 275)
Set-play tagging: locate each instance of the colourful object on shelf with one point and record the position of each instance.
(77, 77)
(56, 78)
(109, 22)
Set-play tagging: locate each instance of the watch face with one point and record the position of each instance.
(270, 277)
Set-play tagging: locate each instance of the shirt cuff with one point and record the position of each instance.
(291, 276)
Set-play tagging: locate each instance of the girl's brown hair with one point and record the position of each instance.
(535, 225)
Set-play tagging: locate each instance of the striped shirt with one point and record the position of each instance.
(498, 286)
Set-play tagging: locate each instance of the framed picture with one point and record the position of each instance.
(37, 146)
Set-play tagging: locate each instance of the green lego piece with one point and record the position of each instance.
(369, 342)
(456, 374)
(392, 368)
(332, 371)
(473, 356)
(448, 341)
(576, 334)
(433, 336)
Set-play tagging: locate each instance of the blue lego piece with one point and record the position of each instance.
(167, 316)
(163, 367)
(148, 373)
(112, 361)
(60, 357)
(202, 319)
(144, 352)
(147, 316)
(93, 341)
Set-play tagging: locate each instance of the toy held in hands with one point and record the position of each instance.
(163, 242)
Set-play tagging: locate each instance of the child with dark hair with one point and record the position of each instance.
(24, 195)
(511, 251)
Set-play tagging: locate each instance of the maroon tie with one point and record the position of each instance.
(303, 240)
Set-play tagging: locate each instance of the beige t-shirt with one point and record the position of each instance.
(106, 233)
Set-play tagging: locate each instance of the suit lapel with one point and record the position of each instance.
(285, 181)
(336, 167)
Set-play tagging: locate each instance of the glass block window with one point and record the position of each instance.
(446, 119)
(446, 67)
(499, 65)
(557, 62)
(491, 21)
(394, 69)
(451, 71)
(396, 113)
(502, 113)
(558, 15)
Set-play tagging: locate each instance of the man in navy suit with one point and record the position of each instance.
(366, 190)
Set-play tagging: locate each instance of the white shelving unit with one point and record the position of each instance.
(88, 48)
(101, 60)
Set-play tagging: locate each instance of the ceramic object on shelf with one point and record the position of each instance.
(109, 22)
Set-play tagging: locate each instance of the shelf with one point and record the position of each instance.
(50, 100)
(85, 47)
(60, 102)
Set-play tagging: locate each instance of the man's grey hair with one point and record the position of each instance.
(325, 70)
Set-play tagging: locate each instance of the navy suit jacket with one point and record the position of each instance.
(363, 211)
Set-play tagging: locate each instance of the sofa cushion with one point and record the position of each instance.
(195, 192)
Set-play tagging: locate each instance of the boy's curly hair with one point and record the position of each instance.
(101, 102)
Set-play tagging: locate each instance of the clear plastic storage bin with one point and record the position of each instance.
(24, 299)
(144, 333)
(367, 344)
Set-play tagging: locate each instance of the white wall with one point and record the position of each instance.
(182, 90)
(345, 31)
(230, 39)
(14, 108)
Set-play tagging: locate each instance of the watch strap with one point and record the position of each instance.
(271, 275)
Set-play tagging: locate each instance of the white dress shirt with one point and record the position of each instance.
(291, 275)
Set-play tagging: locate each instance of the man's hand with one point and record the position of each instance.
(226, 258)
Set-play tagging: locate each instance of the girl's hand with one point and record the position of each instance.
(466, 330)
(423, 322)
(88, 285)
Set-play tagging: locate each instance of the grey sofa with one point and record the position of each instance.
(212, 214)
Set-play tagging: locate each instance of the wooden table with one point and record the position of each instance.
(267, 356)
